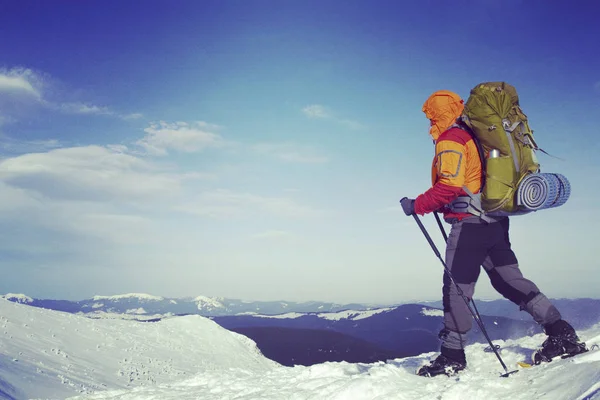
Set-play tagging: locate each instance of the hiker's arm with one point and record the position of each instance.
(450, 166)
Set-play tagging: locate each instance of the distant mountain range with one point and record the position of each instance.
(396, 332)
(144, 304)
(314, 332)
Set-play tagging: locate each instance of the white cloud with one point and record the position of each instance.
(321, 112)
(132, 116)
(20, 81)
(15, 199)
(108, 225)
(316, 111)
(290, 153)
(90, 109)
(180, 136)
(33, 84)
(89, 173)
(97, 192)
(225, 203)
(27, 146)
(81, 108)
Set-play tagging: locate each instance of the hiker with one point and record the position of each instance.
(473, 242)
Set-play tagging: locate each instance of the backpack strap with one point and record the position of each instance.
(470, 204)
(460, 124)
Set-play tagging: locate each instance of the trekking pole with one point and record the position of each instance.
(439, 222)
(461, 293)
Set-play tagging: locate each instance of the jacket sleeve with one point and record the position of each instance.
(449, 164)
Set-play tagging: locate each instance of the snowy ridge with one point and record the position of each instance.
(332, 316)
(137, 296)
(207, 303)
(136, 317)
(19, 298)
(139, 310)
(279, 316)
(352, 314)
(576, 378)
(50, 354)
(432, 312)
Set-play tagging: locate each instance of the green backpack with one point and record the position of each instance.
(506, 144)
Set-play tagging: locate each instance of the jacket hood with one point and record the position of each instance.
(442, 108)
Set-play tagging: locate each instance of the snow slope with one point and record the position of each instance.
(572, 379)
(48, 354)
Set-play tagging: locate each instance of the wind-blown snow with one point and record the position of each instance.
(139, 296)
(49, 354)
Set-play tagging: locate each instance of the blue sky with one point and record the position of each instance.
(258, 149)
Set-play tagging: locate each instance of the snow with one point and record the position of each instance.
(280, 316)
(139, 310)
(60, 355)
(138, 296)
(113, 315)
(20, 298)
(208, 303)
(432, 312)
(332, 316)
(352, 314)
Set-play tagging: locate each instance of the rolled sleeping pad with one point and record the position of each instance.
(543, 190)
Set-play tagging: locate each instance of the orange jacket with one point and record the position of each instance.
(456, 164)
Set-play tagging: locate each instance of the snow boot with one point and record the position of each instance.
(562, 341)
(449, 362)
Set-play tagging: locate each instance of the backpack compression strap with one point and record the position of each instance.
(470, 204)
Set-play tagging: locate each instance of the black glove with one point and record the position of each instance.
(408, 205)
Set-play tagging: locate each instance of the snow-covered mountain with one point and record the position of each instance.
(146, 304)
(405, 330)
(47, 354)
(50, 354)
(582, 313)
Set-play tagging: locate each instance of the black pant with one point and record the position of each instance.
(471, 244)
